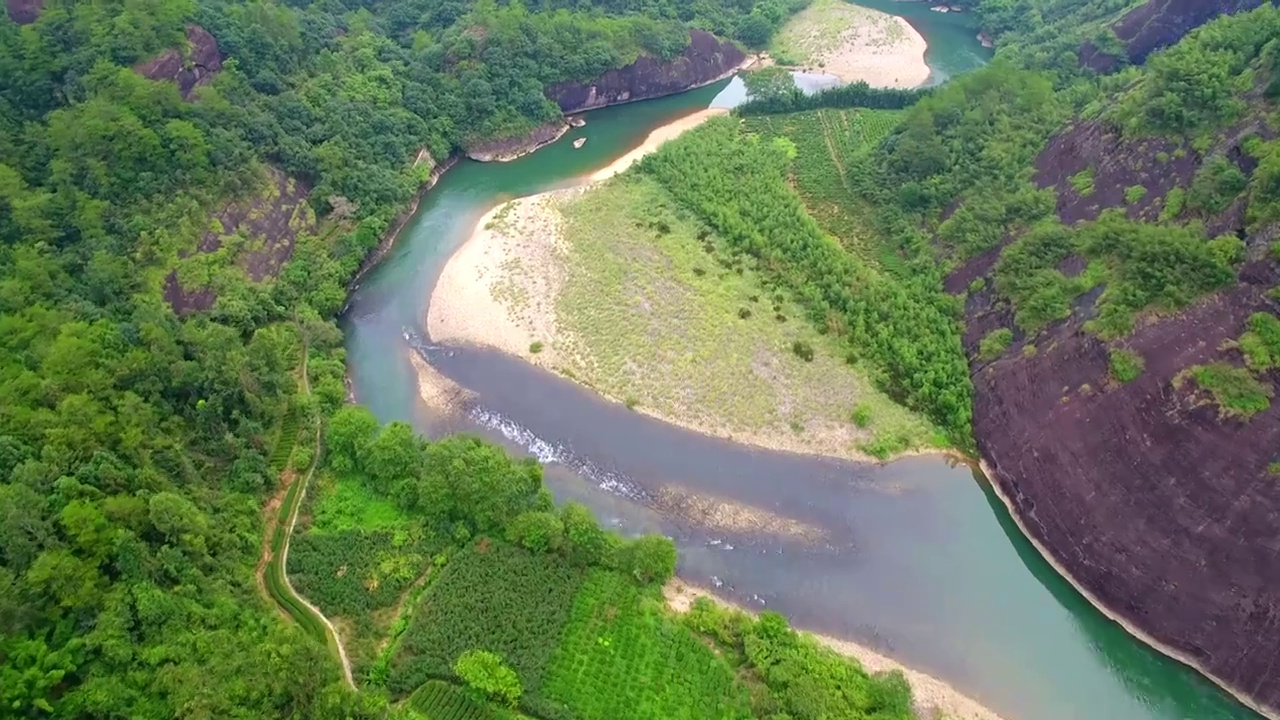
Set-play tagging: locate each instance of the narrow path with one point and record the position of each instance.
(276, 563)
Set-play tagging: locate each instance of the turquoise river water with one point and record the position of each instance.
(916, 558)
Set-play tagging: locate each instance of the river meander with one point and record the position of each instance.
(916, 558)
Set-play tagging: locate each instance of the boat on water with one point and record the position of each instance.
(579, 143)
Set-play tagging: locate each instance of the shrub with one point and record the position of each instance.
(650, 559)
(1083, 181)
(861, 415)
(539, 531)
(1173, 204)
(995, 343)
(744, 313)
(1029, 350)
(1235, 391)
(487, 674)
(1274, 468)
(1217, 184)
(535, 347)
(1134, 194)
(1126, 365)
(803, 350)
(1261, 344)
(977, 285)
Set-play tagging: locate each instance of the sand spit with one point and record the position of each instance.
(855, 44)
(726, 515)
(499, 289)
(437, 391)
(933, 697)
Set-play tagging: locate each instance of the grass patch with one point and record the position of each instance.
(651, 305)
(350, 505)
(995, 343)
(1235, 391)
(1125, 365)
(1083, 182)
(535, 347)
(623, 658)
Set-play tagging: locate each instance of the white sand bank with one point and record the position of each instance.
(854, 44)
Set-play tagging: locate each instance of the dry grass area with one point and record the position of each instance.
(652, 312)
(854, 44)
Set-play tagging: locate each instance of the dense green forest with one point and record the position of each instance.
(137, 447)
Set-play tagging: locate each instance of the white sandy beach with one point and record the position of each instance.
(499, 289)
(932, 696)
(855, 44)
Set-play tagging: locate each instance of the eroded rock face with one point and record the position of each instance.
(196, 68)
(24, 12)
(506, 149)
(706, 60)
(1163, 509)
(271, 221)
(1159, 24)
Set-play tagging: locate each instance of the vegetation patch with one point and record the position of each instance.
(1125, 365)
(1260, 345)
(995, 343)
(617, 630)
(439, 700)
(651, 311)
(1235, 390)
(492, 597)
(907, 341)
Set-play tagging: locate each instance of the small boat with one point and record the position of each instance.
(577, 121)
(940, 8)
(957, 8)
(579, 143)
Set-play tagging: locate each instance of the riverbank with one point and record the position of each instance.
(932, 697)
(1117, 618)
(854, 44)
(614, 286)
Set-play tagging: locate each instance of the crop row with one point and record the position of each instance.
(353, 572)
(491, 597)
(439, 700)
(623, 659)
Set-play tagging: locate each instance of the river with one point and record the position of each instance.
(916, 558)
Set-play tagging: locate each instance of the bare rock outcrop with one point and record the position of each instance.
(190, 67)
(705, 60)
(24, 12)
(1158, 24)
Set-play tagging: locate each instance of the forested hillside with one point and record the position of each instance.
(172, 252)
(1110, 243)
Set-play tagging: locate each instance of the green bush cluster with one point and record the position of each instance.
(1235, 390)
(994, 343)
(1125, 365)
(737, 185)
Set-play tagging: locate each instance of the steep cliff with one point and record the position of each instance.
(189, 67)
(1157, 24)
(1153, 499)
(705, 60)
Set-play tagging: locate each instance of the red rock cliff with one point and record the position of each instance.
(1165, 511)
(706, 60)
(1158, 24)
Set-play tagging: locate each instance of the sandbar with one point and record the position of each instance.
(853, 43)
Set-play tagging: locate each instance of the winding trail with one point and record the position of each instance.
(293, 604)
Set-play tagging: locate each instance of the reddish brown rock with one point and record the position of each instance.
(24, 12)
(706, 60)
(1158, 24)
(1143, 493)
(270, 223)
(189, 69)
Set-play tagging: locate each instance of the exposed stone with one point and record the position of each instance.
(506, 149)
(705, 60)
(1158, 24)
(24, 12)
(189, 70)
(270, 221)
